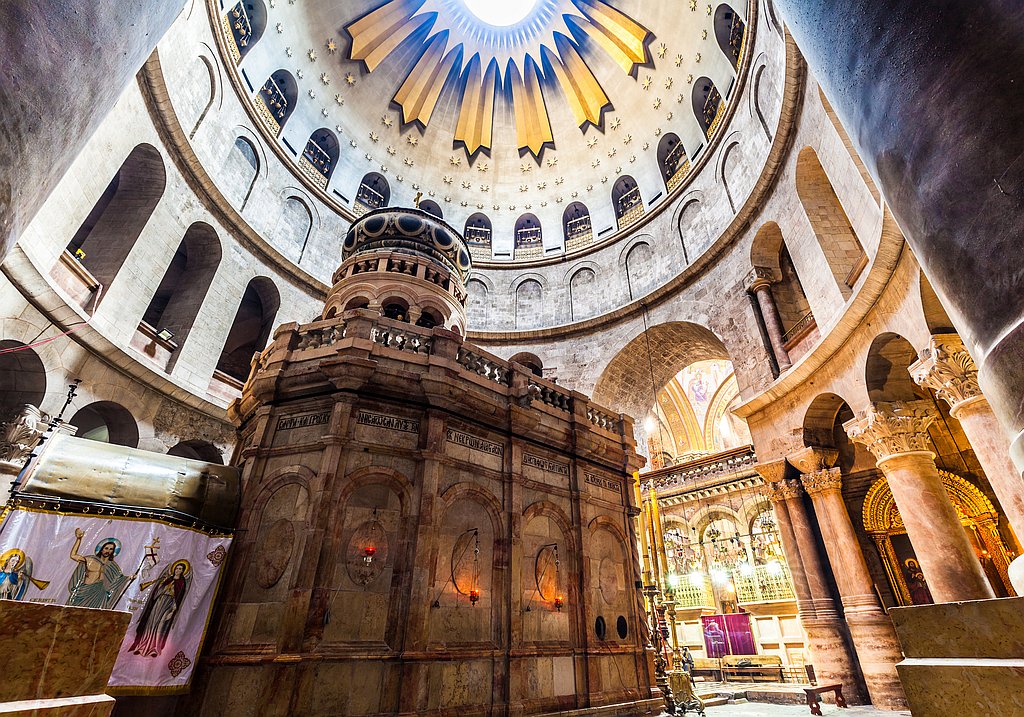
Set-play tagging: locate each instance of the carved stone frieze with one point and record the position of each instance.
(826, 480)
(948, 369)
(810, 459)
(889, 428)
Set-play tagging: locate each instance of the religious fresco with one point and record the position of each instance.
(165, 575)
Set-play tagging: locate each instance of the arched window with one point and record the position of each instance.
(22, 378)
(839, 244)
(576, 226)
(641, 270)
(432, 208)
(478, 236)
(374, 193)
(174, 307)
(530, 361)
(430, 318)
(198, 451)
(395, 309)
(293, 229)
(246, 22)
(251, 328)
(241, 170)
(107, 422)
(117, 219)
(626, 200)
(476, 304)
(529, 240)
(585, 298)
(320, 156)
(707, 106)
(730, 32)
(277, 100)
(672, 160)
(769, 251)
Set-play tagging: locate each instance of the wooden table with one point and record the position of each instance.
(813, 693)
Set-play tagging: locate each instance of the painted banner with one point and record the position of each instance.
(715, 641)
(730, 634)
(165, 575)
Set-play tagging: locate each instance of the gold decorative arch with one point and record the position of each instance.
(978, 515)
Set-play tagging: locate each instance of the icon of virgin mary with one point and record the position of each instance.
(16, 571)
(161, 609)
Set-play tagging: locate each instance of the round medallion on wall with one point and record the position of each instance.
(275, 552)
(367, 553)
(608, 580)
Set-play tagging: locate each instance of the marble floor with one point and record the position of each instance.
(755, 709)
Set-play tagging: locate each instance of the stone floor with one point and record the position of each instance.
(754, 709)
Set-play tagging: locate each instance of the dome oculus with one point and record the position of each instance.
(501, 13)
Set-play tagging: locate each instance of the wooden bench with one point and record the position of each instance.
(814, 692)
(711, 666)
(758, 666)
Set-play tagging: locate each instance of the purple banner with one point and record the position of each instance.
(740, 634)
(715, 640)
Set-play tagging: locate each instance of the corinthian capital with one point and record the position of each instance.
(771, 472)
(811, 459)
(827, 480)
(889, 428)
(948, 369)
(784, 490)
(758, 278)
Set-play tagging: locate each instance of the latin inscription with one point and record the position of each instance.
(477, 444)
(310, 419)
(545, 465)
(391, 423)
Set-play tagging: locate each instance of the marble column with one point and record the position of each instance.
(759, 283)
(827, 637)
(948, 369)
(953, 178)
(872, 632)
(65, 65)
(897, 434)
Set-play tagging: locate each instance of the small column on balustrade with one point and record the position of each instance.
(948, 369)
(872, 632)
(759, 283)
(831, 655)
(897, 434)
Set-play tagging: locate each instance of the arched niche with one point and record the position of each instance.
(529, 239)
(769, 251)
(320, 156)
(197, 450)
(730, 33)
(247, 21)
(107, 422)
(242, 168)
(529, 361)
(250, 330)
(477, 234)
(672, 160)
(278, 97)
(432, 208)
(708, 105)
(374, 192)
(22, 378)
(529, 304)
(577, 228)
(627, 201)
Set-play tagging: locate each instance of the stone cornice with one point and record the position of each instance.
(948, 369)
(827, 480)
(892, 428)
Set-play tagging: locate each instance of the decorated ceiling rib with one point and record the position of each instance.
(547, 44)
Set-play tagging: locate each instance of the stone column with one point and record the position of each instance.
(897, 434)
(826, 633)
(759, 283)
(948, 369)
(954, 178)
(871, 630)
(65, 65)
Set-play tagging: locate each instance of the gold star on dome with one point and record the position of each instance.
(627, 139)
(592, 142)
(408, 161)
(323, 111)
(391, 150)
(543, 204)
(574, 195)
(703, 34)
(300, 73)
(480, 205)
(325, 78)
(525, 167)
(279, 27)
(616, 123)
(524, 188)
(400, 177)
(697, 58)
(647, 82)
(596, 163)
(657, 103)
(374, 137)
(709, 11)
(368, 157)
(527, 207)
(332, 46)
(668, 83)
(485, 187)
(657, 132)
(447, 199)
(604, 180)
(669, 116)
(311, 54)
(311, 93)
(647, 146)
(483, 167)
(559, 180)
(558, 199)
(662, 50)
(447, 179)
(466, 185)
(463, 204)
(542, 185)
(590, 187)
(679, 60)
(511, 207)
(386, 121)
(632, 158)
(350, 79)
(339, 99)
(288, 51)
(455, 161)
(618, 170)
(693, 5)
(413, 140)
(680, 98)
(552, 161)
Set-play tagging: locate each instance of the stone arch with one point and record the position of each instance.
(730, 33)
(773, 18)
(107, 422)
(241, 170)
(529, 237)
(687, 221)
(197, 450)
(477, 234)
(708, 105)
(769, 250)
(530, 361)
(627, 201)
(185, 284)
(250, 330)
(22, 378)
(116, 221)
(476, 304)
(205, 67)
(887, 370)
(843, 252)
(584, 294)
(294, 227)
(279, 95)
(673, 346)
(278, 529)
(727, 169)
(247, 21)
(641, 269)
(823, 426)
(529, 305)
(756, 96)
(320, 156)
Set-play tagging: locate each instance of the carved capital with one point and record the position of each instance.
(827, 480)
(21, 434)
(811, 459)
(947, 368)
(784, 490)
(760, 277)
(772, 472)
(889, 428)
